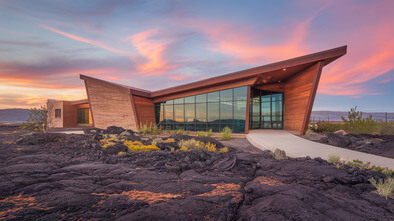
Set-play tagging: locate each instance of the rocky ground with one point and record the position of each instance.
(382, 145)
(70, 177)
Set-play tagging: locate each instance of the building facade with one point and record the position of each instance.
(274, 96)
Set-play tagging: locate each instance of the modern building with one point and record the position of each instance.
(274, 96)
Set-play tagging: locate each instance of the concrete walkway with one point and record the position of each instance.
(295, 146)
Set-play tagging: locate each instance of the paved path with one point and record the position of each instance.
(295, 146)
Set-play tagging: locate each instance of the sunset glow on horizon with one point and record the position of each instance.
(152, 45)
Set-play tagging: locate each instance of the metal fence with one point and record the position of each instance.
(333, 116)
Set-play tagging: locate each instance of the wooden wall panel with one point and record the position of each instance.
(110, 106)
(299, 95)
(69, 114)
(145, 110)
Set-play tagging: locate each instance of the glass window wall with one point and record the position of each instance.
(202, 112)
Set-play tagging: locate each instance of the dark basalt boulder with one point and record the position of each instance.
(115, 149)
(338, 139)
(114, 130)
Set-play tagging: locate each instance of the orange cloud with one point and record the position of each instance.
(153, 51)
(85, 40)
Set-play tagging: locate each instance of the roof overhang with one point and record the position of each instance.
(266, 74)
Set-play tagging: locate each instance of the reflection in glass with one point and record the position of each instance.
(169, 102)
(179, 101)
(201, 112)
(168, 112)
(239, 110)
(178, 113)
(240, 93)
(213, 96)
(266, 108)
(226, 112)
(201, 98)
(190, 112)
(213, 112)
(190, 100)
(226, 95)
(277, 108)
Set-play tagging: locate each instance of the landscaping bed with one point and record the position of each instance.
(382, 145)
(63, 176)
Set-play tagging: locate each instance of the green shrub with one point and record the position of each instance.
(368, 166)
(201, 133)
(333, 158)
(192, 144)
(355, 124)
(324, 127)
(308, 132)
(279, 154)
(149, 129)
(156, 141)
(209, 133)
(226, 133)
(383, 187)
(38, 119)
(179, 131)
(223, 150)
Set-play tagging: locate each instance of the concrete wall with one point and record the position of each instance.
(52, 121)
(110, 106)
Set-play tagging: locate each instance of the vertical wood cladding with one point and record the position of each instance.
(110, 106)
(69, 114)
(299, 94)
(145, 109)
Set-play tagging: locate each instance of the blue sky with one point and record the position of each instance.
(45, 45)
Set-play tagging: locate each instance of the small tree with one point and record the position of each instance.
(37, 119)
(354, 123)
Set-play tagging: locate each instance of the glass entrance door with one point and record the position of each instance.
(266, 110)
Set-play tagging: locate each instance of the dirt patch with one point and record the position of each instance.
(52, 177)
(382, 145)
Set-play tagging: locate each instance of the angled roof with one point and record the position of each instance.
(266, 74)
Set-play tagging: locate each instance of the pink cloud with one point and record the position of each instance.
(85, 40)
(370, 52)
(246, 45)
(152, 50)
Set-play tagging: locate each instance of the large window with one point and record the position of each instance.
(214, 110)
(83, 115)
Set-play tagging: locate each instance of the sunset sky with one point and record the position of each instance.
(45, 45)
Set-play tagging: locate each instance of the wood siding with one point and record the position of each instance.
(299, 94)
(69, 114)
(145, 110)
(110, 106)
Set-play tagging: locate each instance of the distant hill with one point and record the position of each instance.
(336, 115)
(16, 115)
